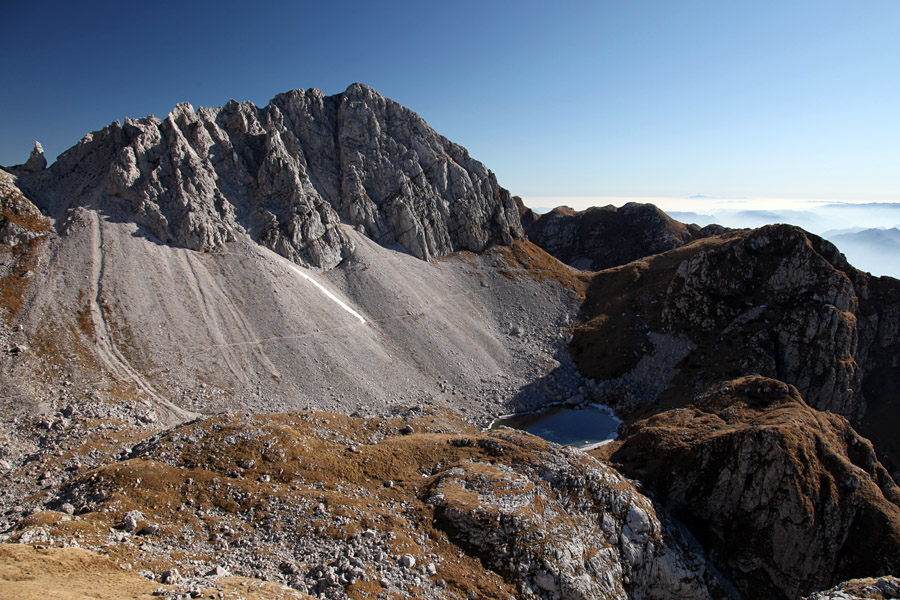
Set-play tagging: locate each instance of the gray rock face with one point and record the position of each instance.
(288, 174)
(565, 527)
(20, 220)
(37, 161)
(808, 300)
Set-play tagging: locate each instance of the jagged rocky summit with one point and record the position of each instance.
(287, 174)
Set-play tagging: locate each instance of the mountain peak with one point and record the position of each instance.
(289, 175)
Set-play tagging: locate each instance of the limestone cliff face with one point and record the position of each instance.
(603, 237)
(563, 525)
(786, 499)
(288, 174)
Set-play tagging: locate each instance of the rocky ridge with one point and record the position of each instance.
(288, 174)
(730, 359)
(602, 237)
(786, 499)
(775, 301)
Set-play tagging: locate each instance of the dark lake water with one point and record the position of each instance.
(579, 427)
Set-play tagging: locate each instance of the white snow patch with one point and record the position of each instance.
(334, 298)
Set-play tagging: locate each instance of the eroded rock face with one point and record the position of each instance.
(874, 588)
(776, 301)
(20, 220)
(36, 161)
(530, 518)
(787, 500)
(288, 174)
(603, 237)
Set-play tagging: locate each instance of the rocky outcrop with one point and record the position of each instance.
(776, 301)
(603, 237)
(20, 219)
(787, 500)
(36, 161)
(526, 215)
(562, 526)
(870, 588)
(289, 174)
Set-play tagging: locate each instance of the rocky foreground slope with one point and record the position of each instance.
(345, 507)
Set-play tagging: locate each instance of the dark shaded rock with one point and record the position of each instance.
(526, 215)
(603, 237)
(776, 301)
(787, 500)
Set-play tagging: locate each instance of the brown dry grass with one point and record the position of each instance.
(28, 573)
(301, 459)
(37, 573)
(527, 258)
(14, 285)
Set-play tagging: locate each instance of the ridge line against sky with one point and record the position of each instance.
(582, 99)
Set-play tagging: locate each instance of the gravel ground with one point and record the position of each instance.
(183, 333)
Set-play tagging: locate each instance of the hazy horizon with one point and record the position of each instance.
(698, 203)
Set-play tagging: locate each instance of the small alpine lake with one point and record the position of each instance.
(583, 427)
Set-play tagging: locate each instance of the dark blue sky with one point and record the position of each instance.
(763, 99)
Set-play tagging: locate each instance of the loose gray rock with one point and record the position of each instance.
(171, 576)
(131, 521)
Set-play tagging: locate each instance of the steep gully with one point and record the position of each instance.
(106, 348)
